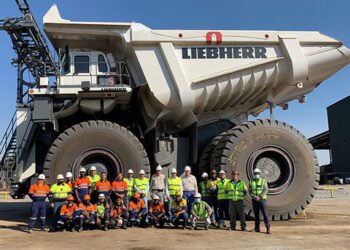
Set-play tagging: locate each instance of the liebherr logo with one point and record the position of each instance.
(223, 52)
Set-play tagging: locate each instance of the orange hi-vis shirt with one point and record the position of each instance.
(120, 187)
(156, 208)
(117, 210)
(39, 192)
(82, 183)
(66, 210)
(102, 186)
(71, 185)
(137, 207)
(88, 208)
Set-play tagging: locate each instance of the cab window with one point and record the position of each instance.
(102, 65)
(81, 64)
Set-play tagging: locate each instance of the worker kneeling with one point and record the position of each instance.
(69, 215)
(138, 211)
(200, 212)
(102, 212)
(157, 212)
(119, 214)
(87, 213)
(179, 211)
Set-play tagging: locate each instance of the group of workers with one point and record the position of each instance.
(91, 201)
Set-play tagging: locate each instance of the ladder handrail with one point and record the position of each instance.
(7, 137)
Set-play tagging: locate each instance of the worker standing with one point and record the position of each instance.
(102, 208)
(179, 211)
(69, 180)
(190, 187)
(137, 211)
(82, 185)
(203, 186)
(38, 192)
(223, 201)
(237, 190)
(200, 211)
(158, 184)
(119, 214)
(93, 177)
(58, 196)
(174, 185)
(258, 191)
(142, 187)
(157, 212)
(212, 191)
(87, 213)
(130, 181)
(103, 186)
(120, 188)
(69, 215)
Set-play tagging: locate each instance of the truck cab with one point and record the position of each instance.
(91, 71)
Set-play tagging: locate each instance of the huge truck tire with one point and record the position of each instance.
(285, 158)
(204, 164)
(106, 145)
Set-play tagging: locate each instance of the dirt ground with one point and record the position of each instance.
(326, 226)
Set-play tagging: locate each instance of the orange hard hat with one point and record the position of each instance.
(137, 195)
(70, 198)
(87, 197)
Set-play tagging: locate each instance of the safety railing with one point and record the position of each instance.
(7, 138)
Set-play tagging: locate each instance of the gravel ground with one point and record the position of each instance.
(340, 192)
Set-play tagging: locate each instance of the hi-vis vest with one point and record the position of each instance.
(236, 191)
(174, 185)
(60, 191)
(222, 195)
(203, 188)
(257, 187)
(141, 184)
(130, 186)
(199, 210)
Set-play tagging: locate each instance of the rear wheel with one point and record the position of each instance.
(284, 156)
(106, 145)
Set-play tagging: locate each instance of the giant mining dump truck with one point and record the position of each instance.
(125, 96)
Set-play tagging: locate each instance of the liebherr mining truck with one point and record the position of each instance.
(125, 96)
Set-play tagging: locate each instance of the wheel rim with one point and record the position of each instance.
(103, 159)
(276, 166)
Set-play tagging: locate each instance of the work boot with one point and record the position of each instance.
(243, 229)
(268, 231)
(257, 230)
(30, 231)
(206, 227)
(43, 229)
(232, 229)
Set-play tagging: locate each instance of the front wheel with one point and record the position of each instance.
(286, 160)
(106, 145)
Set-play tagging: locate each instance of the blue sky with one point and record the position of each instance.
(329, 17)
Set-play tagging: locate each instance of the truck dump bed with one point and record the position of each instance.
(199, 76)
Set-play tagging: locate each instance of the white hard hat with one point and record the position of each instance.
(257, 170)
(120, 221)
(204, 175)
(187, 168)
(222, 172)
(93, 168)
(197, 195)
(82, 170)
(159, 167)
(173, 171)
(69, 175)
(142, 171)
(130, 171)
(101, 196)
(41, 177)
(156, 197)
(60, 177)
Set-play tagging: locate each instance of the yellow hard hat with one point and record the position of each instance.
(177, 193)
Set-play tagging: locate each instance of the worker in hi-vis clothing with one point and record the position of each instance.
(130, 181)
(222, 198)
(236, 190)
(58, 196)
(142, 187)
(174, 184)
(258, 191)
(82, 185)
(38, 192)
